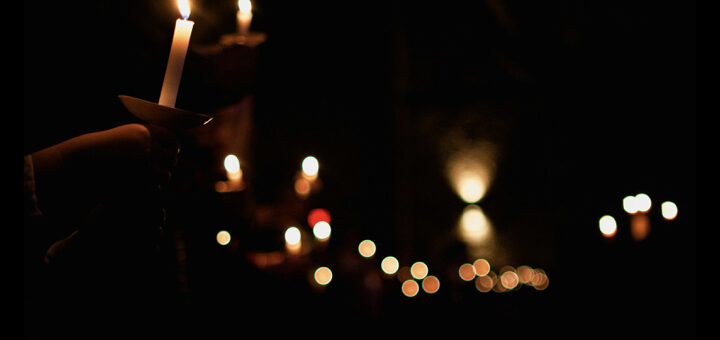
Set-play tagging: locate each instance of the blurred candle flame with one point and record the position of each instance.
(244, 6)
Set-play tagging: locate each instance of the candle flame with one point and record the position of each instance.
(184, 7)
(245, 6)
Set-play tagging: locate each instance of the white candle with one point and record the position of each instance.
(178, 50)
(244, 17)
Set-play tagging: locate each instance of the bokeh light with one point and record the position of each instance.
(509, 279)
(639, 227)
(482, 267)
(419, 270)
(540, 280)
(466, 271)
(322, 230)
(310, 166)
(223, 237)
(302, 187)
(410, 288)
(292, 235)
(525, 274)
(643, 202)
(608, 226)
(474, 225)
(630, 204)
(484, 283)
(430, 284)
(323, 275)
(367, 248)
(318, 214)
(471, 188)
(390, 265)
(471, 169)
(232, 167)
(669, 210)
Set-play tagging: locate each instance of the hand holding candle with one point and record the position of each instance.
(178, 50)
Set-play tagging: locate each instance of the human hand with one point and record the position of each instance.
(119, 163)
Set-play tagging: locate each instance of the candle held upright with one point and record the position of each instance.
(178, 51)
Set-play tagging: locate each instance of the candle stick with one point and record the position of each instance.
(178, 50)
(244, 17)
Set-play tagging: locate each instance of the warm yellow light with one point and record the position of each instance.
(410, 288)
(310, 166)
(669, 210)
(540, 280)
(639, 227)
(184, 7)
(482, 267)
(292, 235)
(323, 275)
(390, 265)
(608, 226)
(643, 202)
(223, 237)
(302, 187)
(419, 270)
(244, 6)
(470, 170)
(232, 167)
(466, 271)
(366, 248)
(322, 230)
(430, 284)
(474, 225)
(471, 188)
(484, 283)
(509, 279)
(630, 204)
(525, 274)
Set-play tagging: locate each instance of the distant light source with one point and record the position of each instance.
(471, 188)
(643, 202)
(323, 275)
(390, 265)
(419, 270)
(466, 272)
(669, 210)
(630, 204)
(292, 235)
(509, 279)
(322, 230)
(474, 225)
(484, 283)
(608, 226)
(410, 288)
(318, 214)
(232, 167)
(430, 284)
(366, 248)
(310, 167)
(481, 266)
(223, 237)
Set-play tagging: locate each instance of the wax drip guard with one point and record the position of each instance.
(165, 116)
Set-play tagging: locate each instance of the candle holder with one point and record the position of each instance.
(165, 116)
(252, 39)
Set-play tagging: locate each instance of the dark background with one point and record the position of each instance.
(587, 101)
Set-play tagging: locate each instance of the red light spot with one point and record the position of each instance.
(317, 215)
